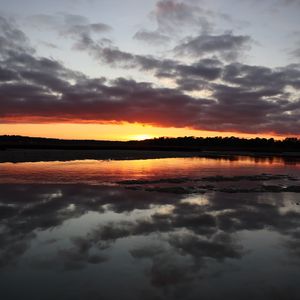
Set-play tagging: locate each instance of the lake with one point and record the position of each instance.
(169, 228)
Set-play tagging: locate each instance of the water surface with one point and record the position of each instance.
(125, 229)
(106, 171)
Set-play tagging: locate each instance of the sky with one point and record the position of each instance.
(133, 69)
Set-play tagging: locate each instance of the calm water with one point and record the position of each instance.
(76, 230)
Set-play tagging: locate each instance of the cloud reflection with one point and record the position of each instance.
(191, 238)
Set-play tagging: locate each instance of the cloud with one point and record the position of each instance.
(227, 46)
(7, 74)
(187, 76)
(208, 69)
(172, 15)
(65, 22)
(81, 29)
(151, 37)
(242, 98)
(219, 247)
(69, 25)
(174, 19)
(11, 38)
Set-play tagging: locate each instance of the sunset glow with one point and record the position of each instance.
(141, 137)
(122, 132)
(185, 71)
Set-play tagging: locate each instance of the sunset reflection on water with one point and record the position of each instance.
(103, 171)
(77, 229)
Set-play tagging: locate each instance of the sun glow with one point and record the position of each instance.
(117, 132)
(141, 137)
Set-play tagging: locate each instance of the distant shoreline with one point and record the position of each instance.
(30, 149)
(40, 155)
(36, 155)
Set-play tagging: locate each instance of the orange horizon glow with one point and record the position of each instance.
(115, 131)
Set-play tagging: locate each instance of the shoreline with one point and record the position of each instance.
(39, 155)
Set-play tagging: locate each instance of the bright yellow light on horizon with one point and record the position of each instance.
(119, 132)
(141, 137)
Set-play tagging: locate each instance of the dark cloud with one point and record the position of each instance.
(7, 74)
(241, 98)
(254, 76)
(208, 69)
(151, 37)
(12, 39)
(227, 46)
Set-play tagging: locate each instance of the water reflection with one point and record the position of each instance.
(108, 242)
(97, 172)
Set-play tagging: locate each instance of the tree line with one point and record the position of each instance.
(189, 143)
